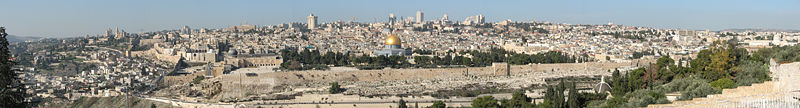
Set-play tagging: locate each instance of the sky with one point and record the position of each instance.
(62, 18)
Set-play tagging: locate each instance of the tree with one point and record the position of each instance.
(335, 88)
(635, 80)
(518, 100)
(520, 59)
(402, 104)
(485, 102)
(11, 89)
(619, 84)
(554, 95)
(572, 101)
(723, 83)
(422, 60)
(438, 104)
(752, 72)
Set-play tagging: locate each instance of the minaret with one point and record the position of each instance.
(420, 17)
(116, 31)
(312, 21)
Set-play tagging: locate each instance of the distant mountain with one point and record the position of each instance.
(761, 30)
(14, 38)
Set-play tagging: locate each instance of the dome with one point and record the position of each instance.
(392, 40)
(602, 87)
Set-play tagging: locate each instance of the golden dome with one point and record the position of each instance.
(392, 40)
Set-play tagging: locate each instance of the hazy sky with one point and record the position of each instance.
(67, 18)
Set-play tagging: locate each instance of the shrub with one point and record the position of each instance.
(752, 72)
(438, 104)
(644, 97)
(689, 88)
(485, 102)
(335, 88)
(197, 79)
(723, 83)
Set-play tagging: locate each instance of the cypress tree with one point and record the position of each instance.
(11, 89)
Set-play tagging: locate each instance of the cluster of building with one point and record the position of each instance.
(118, 61)
(247, 45)
(69, 68)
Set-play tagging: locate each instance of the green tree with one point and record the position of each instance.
(619, 83)
(572, 101)
(422, 60)
(723, 83)
(520, 59)
(518, 100)
(402, 104)
(438, 104)
(485, 102)
(752, 72)
(335, 88)
(11, 89)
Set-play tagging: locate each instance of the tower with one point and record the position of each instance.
(108, 32)
(444, 18)
(480, 19)
(420, 17)
(186, 30)
(312, 21)
(392, 19)
(116, 31)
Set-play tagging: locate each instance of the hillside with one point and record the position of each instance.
(114, 102)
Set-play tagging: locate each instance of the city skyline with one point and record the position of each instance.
(79, 18)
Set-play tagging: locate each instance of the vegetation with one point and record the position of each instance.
(12, 91)
(485, 102)
(690, 88)
(422, 52)
(402, 104)
(518, 100)
(554, 98)
(724, 83)
(781, 54)
(197, 79)
(308, 59)
(335, 88)
(637, 54)
(438, 104)
(721, 66)
(114, 102)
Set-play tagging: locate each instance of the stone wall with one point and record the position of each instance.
(293, 77)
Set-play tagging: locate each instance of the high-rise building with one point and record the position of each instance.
(108, 32)
(481, 19)
(420, 17)
(392, 19)
(186, 30)
(312, 21)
